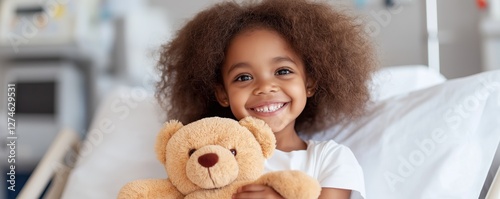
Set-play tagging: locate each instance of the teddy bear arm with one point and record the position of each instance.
(157, 188)
(291, 184)
(221, 193)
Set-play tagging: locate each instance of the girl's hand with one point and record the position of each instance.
(256, 191)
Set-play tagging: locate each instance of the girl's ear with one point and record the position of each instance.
(221, 95)
(311, 86)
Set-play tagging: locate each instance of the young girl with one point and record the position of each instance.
(300, 66)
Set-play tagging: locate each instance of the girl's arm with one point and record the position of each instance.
(251, 191)
(262, 191)
(333, 193)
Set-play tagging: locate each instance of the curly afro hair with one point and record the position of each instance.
(336, 51)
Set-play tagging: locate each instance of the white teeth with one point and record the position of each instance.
(269, 108)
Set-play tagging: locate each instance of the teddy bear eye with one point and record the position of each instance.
(233, 151)
(191, 152)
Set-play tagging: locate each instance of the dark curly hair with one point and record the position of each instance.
(336, 51)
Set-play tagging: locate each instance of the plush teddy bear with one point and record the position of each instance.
(213, 157)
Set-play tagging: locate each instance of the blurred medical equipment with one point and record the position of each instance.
(432, 35)
(49, 96)
(32, 23)
(490, 31)
(494, 9)
(54, 51)
(139, 36)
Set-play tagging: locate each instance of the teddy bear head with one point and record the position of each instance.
(214, 152)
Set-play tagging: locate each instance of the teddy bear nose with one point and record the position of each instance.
(208, 160)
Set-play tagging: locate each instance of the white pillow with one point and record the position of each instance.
(437, 142)
(396, 80)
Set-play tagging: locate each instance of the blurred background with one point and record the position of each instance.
(64, 56)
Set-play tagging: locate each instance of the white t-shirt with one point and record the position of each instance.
(332, 164)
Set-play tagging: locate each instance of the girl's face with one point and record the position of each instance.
(264, 78)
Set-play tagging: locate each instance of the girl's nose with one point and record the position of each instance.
(265, 87)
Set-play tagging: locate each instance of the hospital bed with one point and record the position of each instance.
(422, 137)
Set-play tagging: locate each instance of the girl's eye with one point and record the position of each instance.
(242, 78)
(283, 71)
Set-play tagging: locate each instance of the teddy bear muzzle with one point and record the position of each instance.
(212, 167)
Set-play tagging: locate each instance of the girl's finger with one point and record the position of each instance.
(255, 195)
(247, 195)
(252, 188)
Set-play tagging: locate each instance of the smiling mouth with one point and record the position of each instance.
(269, 108)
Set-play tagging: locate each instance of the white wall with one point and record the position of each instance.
(400, 32)
(404, 39)
(460, 40)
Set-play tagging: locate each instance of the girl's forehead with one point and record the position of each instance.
(261, 39)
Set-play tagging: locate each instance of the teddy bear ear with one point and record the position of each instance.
(262, 133)
(166, 132)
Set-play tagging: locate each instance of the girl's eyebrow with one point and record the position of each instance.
(237, 65)
(275, 60)
(282, 59)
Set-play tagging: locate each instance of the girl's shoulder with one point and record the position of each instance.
(325, 145)
(318, 153)
(329, 143)
(329, 149)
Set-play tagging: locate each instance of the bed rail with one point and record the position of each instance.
(52, 168)
(494, 191)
